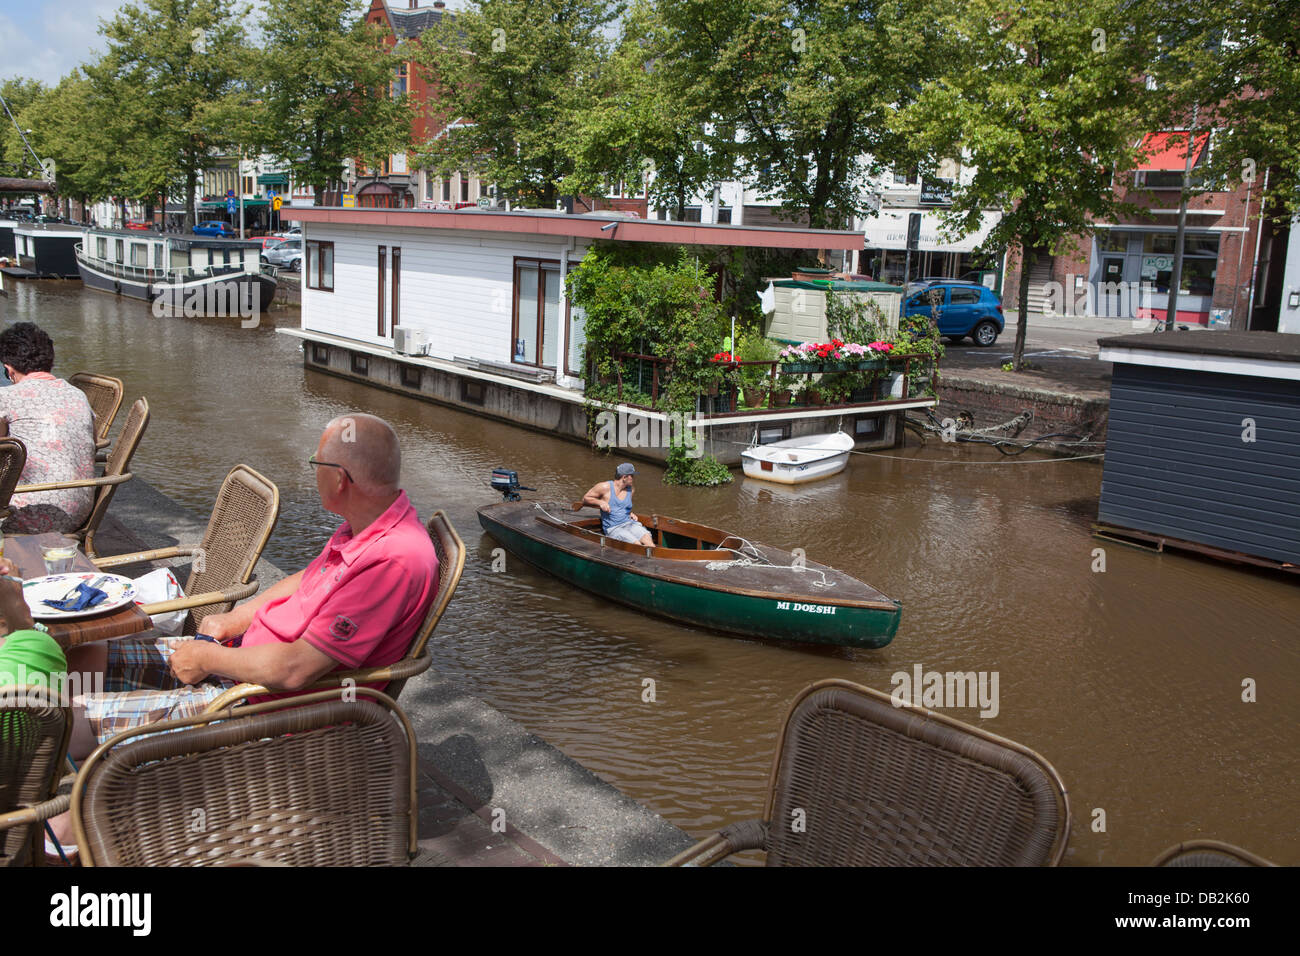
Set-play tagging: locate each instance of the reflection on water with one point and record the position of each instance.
(1128, 681)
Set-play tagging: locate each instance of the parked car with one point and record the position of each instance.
(965, 308)
(286, 255)
(270, 242)
(214, 228)
(293, 232)
(139, 224)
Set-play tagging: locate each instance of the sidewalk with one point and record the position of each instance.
(489, 792)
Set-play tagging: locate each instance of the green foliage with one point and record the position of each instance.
(798, 94)
(522, 72)
(152, 95)
(1046, 103)
(701, 472)
(854, 318)
(641, 302)
(320, 91)
(22, 95)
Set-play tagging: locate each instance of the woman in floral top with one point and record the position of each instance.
(54, 421)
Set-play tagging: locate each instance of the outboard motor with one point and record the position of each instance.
(507, 482)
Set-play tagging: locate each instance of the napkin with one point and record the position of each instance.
(85, 597)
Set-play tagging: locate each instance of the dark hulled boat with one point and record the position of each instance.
(193, 275)
(700, 576)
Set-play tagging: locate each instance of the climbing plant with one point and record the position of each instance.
(655, 301)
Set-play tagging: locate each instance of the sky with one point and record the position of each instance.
(44, 40)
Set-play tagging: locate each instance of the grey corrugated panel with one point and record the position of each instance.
(1176, 464)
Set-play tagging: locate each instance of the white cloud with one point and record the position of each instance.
(46, 41)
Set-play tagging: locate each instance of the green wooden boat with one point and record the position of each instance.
(698, 575)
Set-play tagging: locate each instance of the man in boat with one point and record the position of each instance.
(614, 499)
(359, 604)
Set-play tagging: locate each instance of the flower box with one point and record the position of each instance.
(859, 366)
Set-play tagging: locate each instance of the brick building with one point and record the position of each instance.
(1124, 269)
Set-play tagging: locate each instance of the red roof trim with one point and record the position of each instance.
(582, 227)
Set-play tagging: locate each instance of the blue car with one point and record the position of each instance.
(214, 228)
(965, 308)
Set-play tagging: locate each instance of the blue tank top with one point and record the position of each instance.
(620, 512)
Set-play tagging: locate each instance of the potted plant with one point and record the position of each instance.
(755, 378)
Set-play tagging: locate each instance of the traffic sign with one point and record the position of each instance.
(231, 205)
(276, 203)
(349, 201)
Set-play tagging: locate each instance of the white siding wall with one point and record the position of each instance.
(457, 286)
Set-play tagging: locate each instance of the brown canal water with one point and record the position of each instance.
(1129, 681)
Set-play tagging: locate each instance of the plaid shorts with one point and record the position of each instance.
(139, 688)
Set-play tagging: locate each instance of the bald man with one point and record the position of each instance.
(359, 604)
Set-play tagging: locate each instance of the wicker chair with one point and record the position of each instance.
(1209, 853)
(105, 396)
(247, 508)
(316, 781)
(859, 782)
(34, 737)
(13, 459)
(115, 472)
(451, 562)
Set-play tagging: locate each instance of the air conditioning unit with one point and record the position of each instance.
(409, 341)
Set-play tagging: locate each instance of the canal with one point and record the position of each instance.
(1129, 680)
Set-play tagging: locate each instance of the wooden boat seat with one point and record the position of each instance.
(673, 537)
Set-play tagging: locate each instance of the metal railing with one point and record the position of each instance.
(123, 270)
(727, 395)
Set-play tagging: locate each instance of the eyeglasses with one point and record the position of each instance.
(329, 464)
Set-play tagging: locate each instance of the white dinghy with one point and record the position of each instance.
(796, 460)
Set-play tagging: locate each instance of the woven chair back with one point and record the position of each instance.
(245, 513)
(13, 459)
(1197, 853)
(105, 396)
(451, 563)
(119, 461)
(33, 743)
(860, 782)
(326, 784)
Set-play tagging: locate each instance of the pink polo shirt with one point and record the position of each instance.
(363, 599)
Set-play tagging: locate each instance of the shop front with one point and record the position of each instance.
(1132, 267)
(885, 258)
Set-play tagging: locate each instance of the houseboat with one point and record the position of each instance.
(195, 275)
(468, 308)
(47, 250)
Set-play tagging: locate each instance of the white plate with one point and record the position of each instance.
(120, 591)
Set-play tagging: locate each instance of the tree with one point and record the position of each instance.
(19, 94)
(1238, 63)
(801, 91)
(167, 63)
(1047, 103)
(646, 124)
(519, 73)
(67, 126)
(321, 92)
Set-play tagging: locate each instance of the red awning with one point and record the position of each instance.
(1168, 151)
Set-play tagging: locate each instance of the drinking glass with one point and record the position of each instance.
(59, 556)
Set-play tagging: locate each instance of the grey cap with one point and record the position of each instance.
(625, 469)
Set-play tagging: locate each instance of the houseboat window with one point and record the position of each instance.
(360, 364)
(120, 250)
(774, 433)
(320, 354)
(101, 247)
(397, 286)
(471, 392)
(320, 266)
(577, 340)
(410, 376)
(158, 256)
(383, 284)
(537, 313)
(139, 255)
(866, 426)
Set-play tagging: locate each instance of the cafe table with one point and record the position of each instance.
(24, 551)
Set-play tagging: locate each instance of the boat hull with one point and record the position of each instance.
(781, 615)
(798, 460)
(219, 296)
